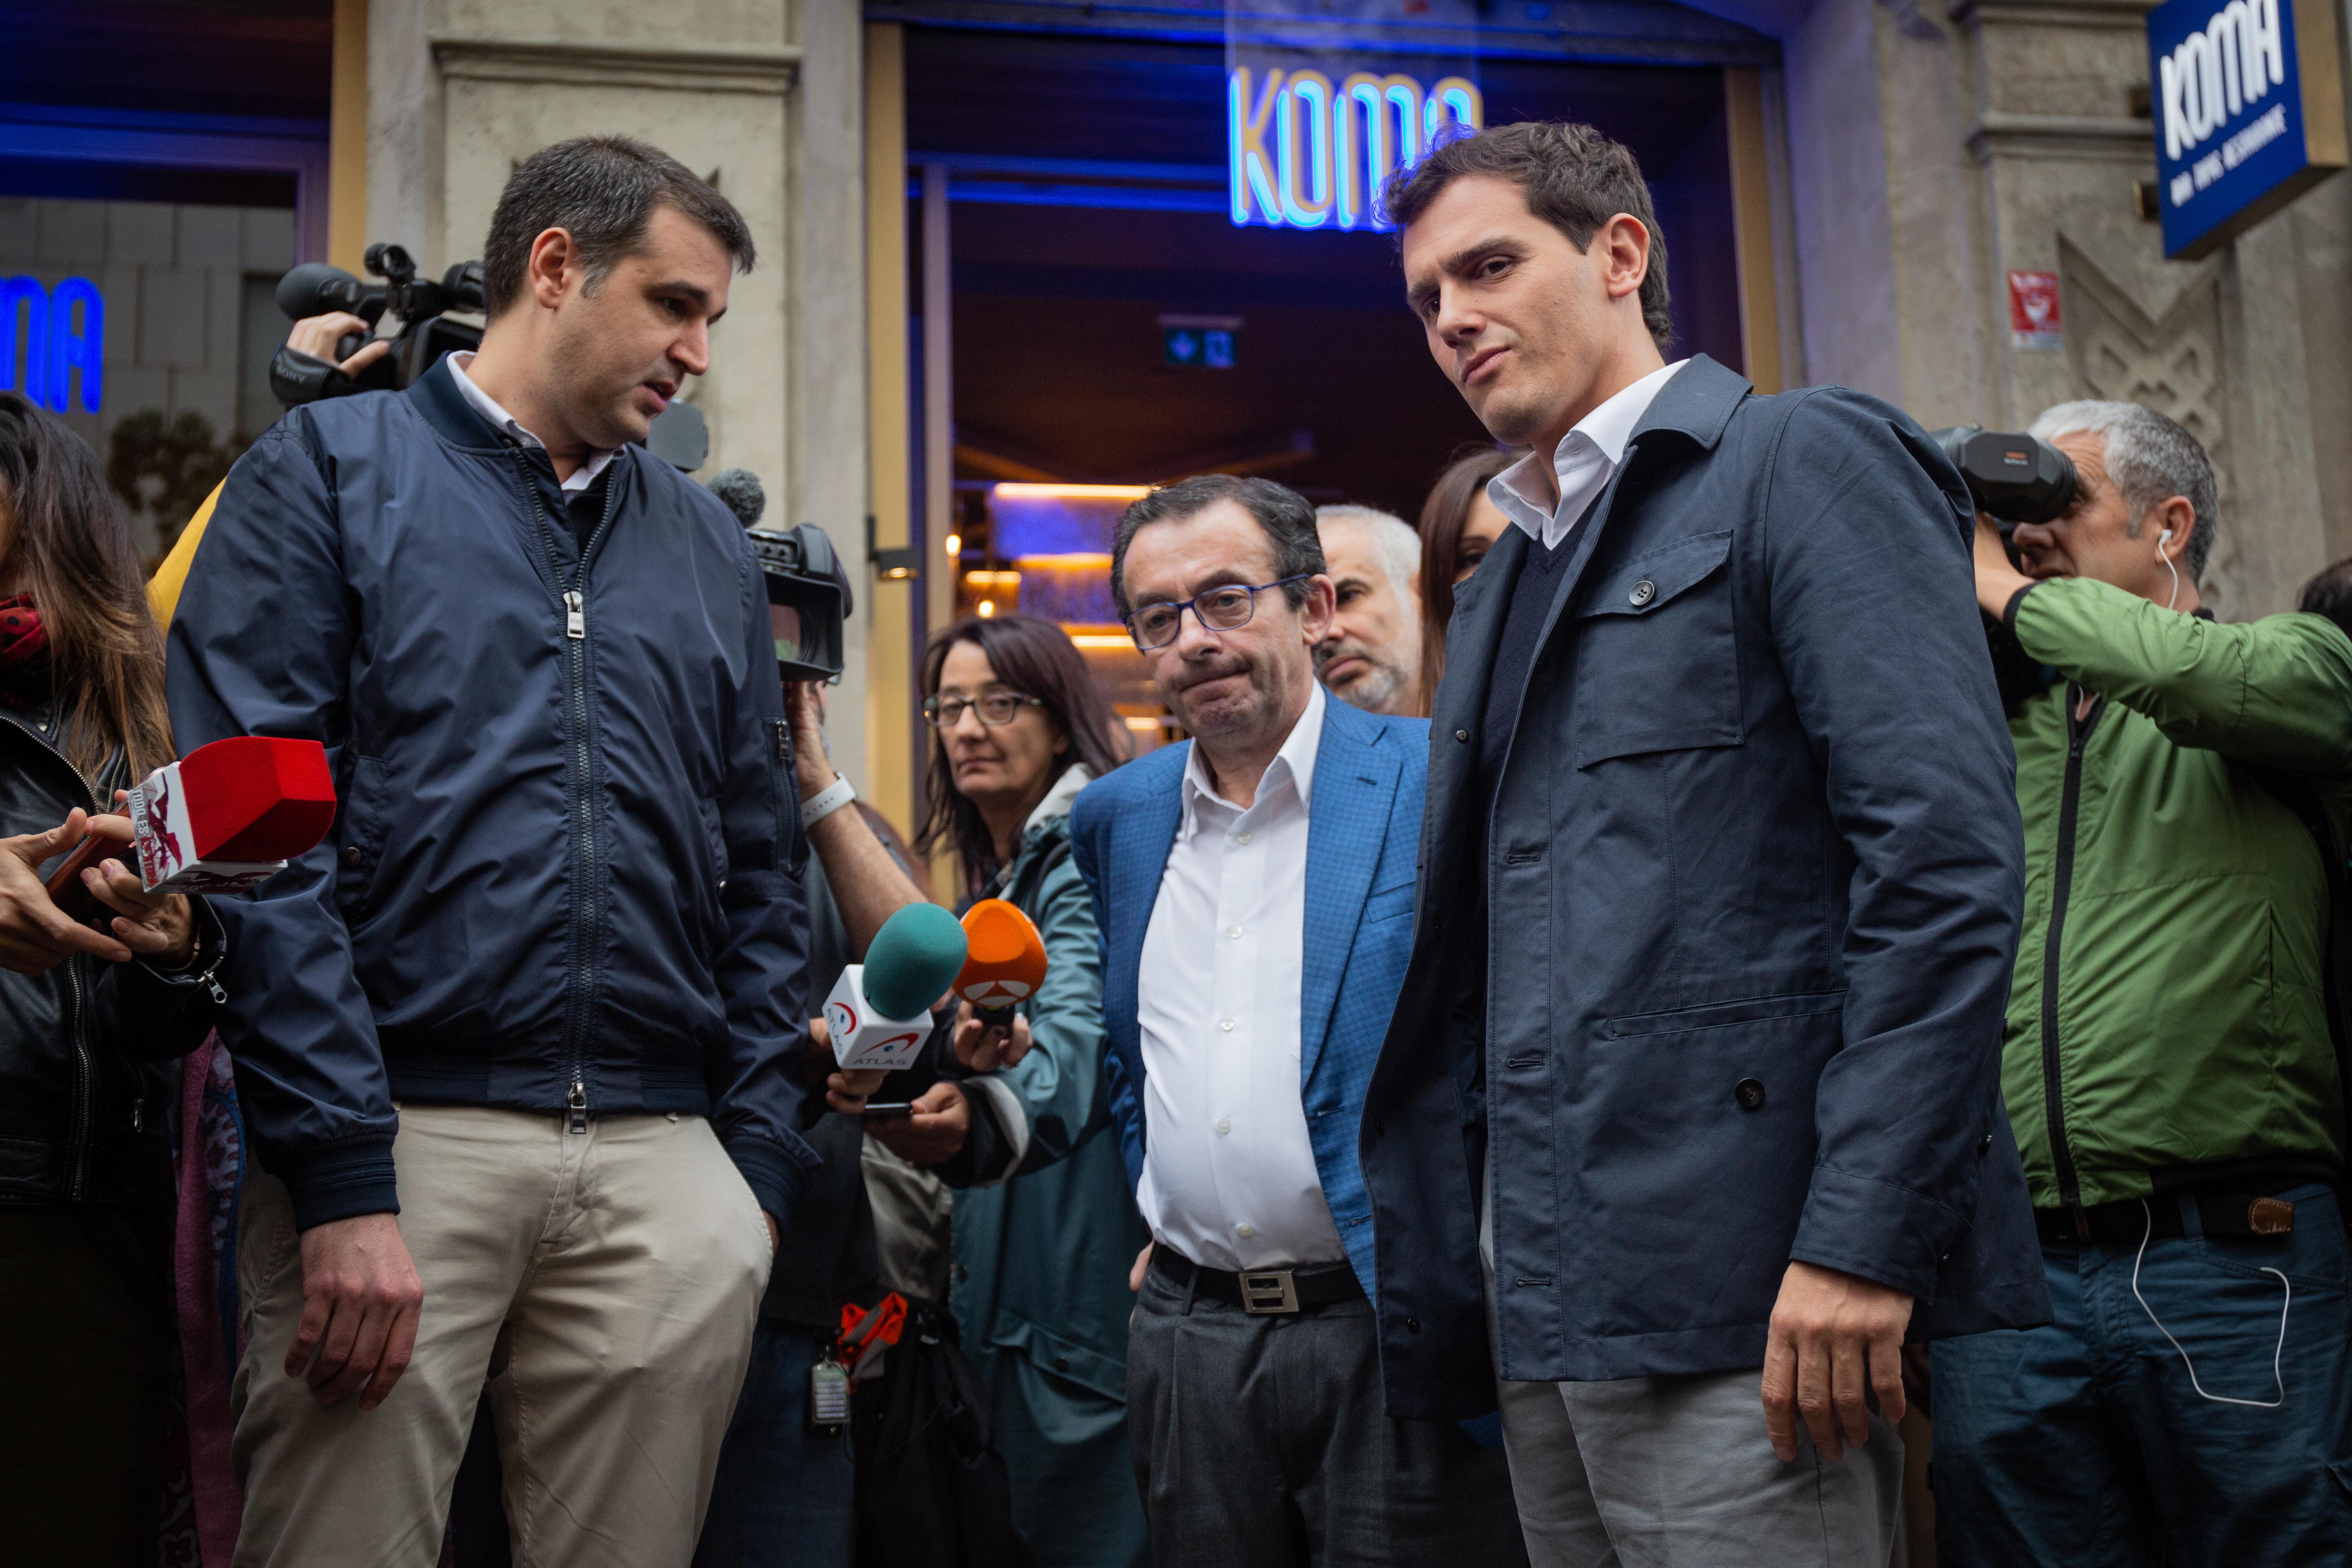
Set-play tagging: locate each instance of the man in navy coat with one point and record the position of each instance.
(1254, 889)
(1694, 1067)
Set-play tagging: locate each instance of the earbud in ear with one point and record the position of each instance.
(2164, 539)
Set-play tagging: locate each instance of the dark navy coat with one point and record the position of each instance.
(564, 868)
(1755, 869)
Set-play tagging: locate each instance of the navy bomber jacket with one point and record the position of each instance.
(563, 877)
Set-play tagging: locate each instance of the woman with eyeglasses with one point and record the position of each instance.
(1045, 1227)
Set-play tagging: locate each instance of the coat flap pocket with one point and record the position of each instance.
(1711, 1014)
(1641, 585)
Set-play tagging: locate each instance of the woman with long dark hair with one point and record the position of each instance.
(1458, 526)
(91, 1014)
(1046, 1232)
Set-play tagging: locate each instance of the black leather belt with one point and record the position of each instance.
(2126, 1222)
(1261, 1292)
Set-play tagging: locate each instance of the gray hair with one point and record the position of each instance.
(1394, 541)
(601, 190)
(1288, 518)
(2151, 459)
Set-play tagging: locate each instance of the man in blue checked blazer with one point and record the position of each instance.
(1254, 887)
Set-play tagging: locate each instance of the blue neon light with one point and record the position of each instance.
(1301, 154)
(37, 331)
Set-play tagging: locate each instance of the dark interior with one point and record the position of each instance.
(1059, 366)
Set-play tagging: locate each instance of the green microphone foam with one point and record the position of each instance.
(915, 958)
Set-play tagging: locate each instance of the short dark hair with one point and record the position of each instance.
(1573, 177)
(1287, 517)
(2330, 594)
(602, 191)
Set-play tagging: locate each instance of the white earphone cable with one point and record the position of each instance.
(2276, 1355)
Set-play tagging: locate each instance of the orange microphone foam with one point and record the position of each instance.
(1006, 959)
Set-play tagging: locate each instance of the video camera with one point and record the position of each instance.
(679, 436)
(808, 592)
(419, 305)
(2013, 477)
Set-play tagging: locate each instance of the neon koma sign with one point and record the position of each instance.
(1302, 152)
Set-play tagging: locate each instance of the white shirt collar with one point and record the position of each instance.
(1292, 765)
(1582, 463)
(487, 407)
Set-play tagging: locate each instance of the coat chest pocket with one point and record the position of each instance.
(1657, 655)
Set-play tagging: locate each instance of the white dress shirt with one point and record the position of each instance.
(1582, 463)
(1229, 1176)
(487, 407)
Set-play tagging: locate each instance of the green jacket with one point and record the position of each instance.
(1042, 1258)
(2169, 1011)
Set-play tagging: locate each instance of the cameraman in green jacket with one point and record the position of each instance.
(2168, 1062)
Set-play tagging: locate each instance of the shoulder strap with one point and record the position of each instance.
(2336, 939)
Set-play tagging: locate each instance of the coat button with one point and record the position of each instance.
(352, 855)
(1463, 735)
(1379, 1126)
(1749, 1092)
(1643, 592)
(1412, 1325)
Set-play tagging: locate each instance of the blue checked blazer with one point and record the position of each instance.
(1362, 835)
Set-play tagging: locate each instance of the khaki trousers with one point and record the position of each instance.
(604, 1284)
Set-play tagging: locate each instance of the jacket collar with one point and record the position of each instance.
(1696, 402)
(436, 397)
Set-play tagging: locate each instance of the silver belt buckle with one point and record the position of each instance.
(1269, 1292)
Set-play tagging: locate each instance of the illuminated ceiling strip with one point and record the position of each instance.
(1013, 490)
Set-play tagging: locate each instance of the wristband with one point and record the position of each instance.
(826, 801)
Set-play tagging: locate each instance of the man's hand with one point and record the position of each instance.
(361, 1298)
(35, 934)
(774, 1236)
(1142, 1262)
(984, 1048)
(318, 335)
(804, 707)
(1997, 581)
(934, 1133)
(1833, 1337)
(159, 926)
(848, 1092)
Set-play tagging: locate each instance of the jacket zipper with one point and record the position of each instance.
(572, 599)
(2070, 1188)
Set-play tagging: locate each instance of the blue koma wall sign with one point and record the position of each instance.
(2249, 112)
(1304, 153)
(47, 335)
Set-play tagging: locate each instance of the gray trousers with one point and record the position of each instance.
(1261, 1443)
(1676, 1472)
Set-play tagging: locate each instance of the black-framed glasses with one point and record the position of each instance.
(995, 707)
(1222, 609)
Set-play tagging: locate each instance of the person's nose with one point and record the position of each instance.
(691, 351)
(1457, 323)
(2034, 536)
(1195, 637)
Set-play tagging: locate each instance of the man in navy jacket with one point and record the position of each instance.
(514, 1040)
(1719, 891)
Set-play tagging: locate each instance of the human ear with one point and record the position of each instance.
(2172, 520)
(1620, 250)
(553, 256)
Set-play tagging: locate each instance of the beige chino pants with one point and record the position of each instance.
(605, 1283)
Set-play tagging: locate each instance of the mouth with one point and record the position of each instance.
(1343, 669)
(1479, 364)
(663, 392)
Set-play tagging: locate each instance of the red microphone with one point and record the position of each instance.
(1007, 961)
(230, 814)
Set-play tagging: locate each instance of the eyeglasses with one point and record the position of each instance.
(995, 707)
(1224, 609)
